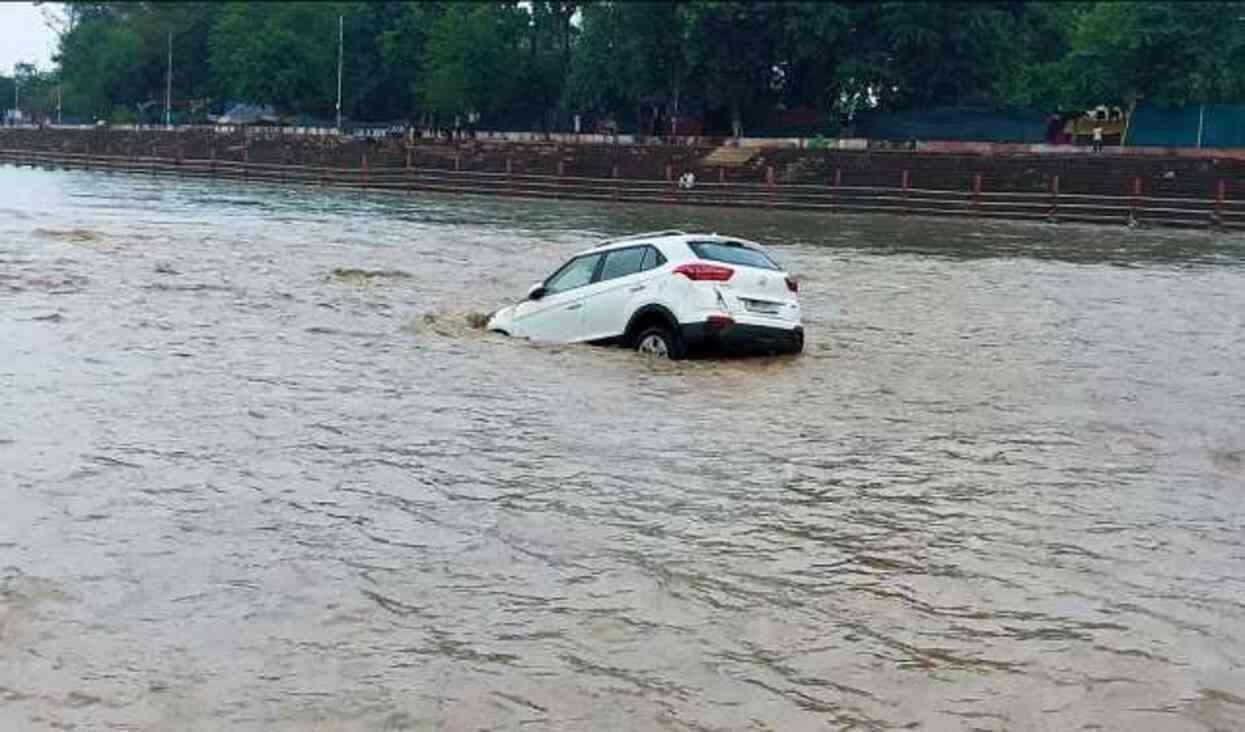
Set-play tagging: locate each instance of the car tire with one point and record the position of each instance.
(659, 342)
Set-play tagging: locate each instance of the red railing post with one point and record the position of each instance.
(1135, 203)
(904, 179)
(977, 193)
(1221, 195)
(614, 175)
(1054, 196)
(363, 167)
(834, 194)
(769, 181)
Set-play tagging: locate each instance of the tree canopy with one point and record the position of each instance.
(535, 64)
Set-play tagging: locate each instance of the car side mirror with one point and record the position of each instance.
(536, 292)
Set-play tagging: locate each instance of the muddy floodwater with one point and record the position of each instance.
(260, 470)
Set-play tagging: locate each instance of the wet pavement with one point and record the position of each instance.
(259, 469)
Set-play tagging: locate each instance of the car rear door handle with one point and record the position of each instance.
(637, 288)
(576, 306)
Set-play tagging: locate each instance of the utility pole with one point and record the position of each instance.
(341, 34)
(168, 86)
(58, 102)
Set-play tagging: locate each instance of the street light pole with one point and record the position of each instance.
(341, 33)
(168, 86)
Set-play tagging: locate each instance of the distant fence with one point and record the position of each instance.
(1210, 129)
(837, 194)
(1201, 126)
(966, 124)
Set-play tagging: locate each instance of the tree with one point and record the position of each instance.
(549, 41)
(283, 54)
(813, 48)
(116, 54)
(526, 63)
(1170, 53)
(473, 59)
(6, 92)
(401, 45)
(101, 59)
(731, 51)
(940, 53)
(597, 79)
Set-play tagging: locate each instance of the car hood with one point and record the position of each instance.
(501, 319)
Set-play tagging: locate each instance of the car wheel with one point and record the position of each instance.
(659, 342)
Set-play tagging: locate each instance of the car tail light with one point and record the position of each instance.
(718, 322)
(704, 272)
(793, 284)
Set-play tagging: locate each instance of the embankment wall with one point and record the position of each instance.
(1110, 187)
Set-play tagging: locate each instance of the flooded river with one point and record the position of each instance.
(258, 471)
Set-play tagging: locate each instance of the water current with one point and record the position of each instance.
(260, 470)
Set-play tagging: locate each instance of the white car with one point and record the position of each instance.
(664, 293)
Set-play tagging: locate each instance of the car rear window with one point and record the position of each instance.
(652, 259)
(732, 252)
(622, 262)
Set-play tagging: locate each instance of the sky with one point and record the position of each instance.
(24, 36)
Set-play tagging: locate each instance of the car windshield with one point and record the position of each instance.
(732, 252)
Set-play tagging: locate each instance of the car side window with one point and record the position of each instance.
(652, 259)
(575, 273)
(623, 262)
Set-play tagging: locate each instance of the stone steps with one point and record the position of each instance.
(730, 156)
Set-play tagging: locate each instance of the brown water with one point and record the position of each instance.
(257, 471)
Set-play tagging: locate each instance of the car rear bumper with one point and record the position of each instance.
(742, 338)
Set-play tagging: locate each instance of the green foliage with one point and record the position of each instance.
(597, 80)
(629, 53)
(473, 58)
(283, 54)
(401, 43)
(1170, 53)
(101, 62)
(538, 62)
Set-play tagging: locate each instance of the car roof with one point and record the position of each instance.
(660, 238)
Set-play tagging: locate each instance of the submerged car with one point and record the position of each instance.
(664, 293)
